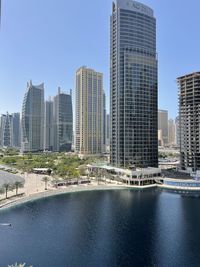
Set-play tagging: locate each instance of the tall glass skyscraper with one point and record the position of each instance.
(33, 119)
(163, 127)
(48, 125)
(133, 66)
(6, 130)
(16, 130)
(62, 121)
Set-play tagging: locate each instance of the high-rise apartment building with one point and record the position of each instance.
(108, 130)
(16, 130)
(48, 126)
(177, 132)
(189, 121)
(62, 122)
(89, 111)
(163, 126)
(171, 132)
(10, 130)
(33, 119)
(6, 130)
(104, 121)
(133, 65)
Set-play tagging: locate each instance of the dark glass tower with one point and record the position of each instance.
(16, 130)
(133, 66)
(63, 122)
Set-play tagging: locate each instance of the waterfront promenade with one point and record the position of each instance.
(34, 188)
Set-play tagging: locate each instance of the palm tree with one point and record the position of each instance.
(45, 179)
(18, 185)
(89, 175)
(98, 175)
(7, 187)
(2, 190)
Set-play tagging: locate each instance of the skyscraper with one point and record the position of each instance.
(133, 65)
(89, 111)
(171, 132)
(189, 121)
(62, 122)
(6, 130)
(177, 132)
(108, 130)
(16, 130)
(163, 126)
(104, 121)
(33, 119)
(48, 125)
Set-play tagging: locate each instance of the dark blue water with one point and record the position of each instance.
(105, 228)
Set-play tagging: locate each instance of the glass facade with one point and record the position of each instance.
(33, 119)
(63, 122)
(16, 130)
(133, 85)
(48, 127)
(6, 130)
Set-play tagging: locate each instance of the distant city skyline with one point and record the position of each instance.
(51, 48)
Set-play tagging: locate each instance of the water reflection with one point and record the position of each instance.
(105, 228)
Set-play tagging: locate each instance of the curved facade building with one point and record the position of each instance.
(33, 119)
(133, 66)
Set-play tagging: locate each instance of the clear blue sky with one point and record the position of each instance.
(47, 40)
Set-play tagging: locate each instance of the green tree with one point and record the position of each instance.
(45, 179)
(7, 187)
(18, 185)
(49, 172)
(82, 170)
(2, 190)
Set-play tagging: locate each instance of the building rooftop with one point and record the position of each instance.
(134, 6)
(190, 75)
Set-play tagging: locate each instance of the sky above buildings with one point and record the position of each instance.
(48, 40)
